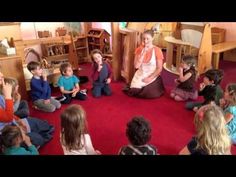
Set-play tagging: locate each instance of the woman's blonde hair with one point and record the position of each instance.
(12, 81)
(212, 135)
(73, 127)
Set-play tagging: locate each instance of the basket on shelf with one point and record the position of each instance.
(61, 31)
(43, 34)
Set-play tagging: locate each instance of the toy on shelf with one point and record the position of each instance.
(99, 39)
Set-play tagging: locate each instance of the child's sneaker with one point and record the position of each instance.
(60, 98)
(84, 91)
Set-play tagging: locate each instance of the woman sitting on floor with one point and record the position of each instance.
(147, 81)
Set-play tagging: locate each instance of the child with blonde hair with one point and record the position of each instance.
(75, 139)
(185, 88)
(228, 103)
(21, 108)
(212, 137)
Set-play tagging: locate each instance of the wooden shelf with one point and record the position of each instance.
(65, 39)
(57, 57)
(7, 57)
(92, 36)
(80, 48)
(92, 43)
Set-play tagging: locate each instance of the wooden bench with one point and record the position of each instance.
(221, 47)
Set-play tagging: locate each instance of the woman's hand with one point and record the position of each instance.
(147, 80)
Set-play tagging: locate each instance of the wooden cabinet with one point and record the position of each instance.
(11, 66)
(81, 47)
(162, 30)
(99, 39)
(130, 40)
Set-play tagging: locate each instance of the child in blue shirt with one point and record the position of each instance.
(229, 106)
(69, 84)
(40, 89)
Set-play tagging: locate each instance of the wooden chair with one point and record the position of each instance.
(189, 39)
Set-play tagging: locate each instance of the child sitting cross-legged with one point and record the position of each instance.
(40, 89)
(69, 84)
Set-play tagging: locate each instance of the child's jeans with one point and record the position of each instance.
(41, 131)
(98, 90)
(23, 110)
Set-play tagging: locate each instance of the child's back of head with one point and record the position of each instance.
(138, 131)
(11, 136)
(212, 136)
(73, 126)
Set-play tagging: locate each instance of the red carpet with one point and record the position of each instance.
(172, 125)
